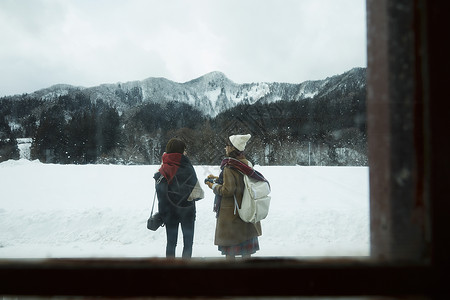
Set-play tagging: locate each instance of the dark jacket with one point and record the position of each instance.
(178, 189)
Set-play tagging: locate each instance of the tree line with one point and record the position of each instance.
(72, 129)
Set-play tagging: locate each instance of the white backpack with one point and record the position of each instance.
(255, 202)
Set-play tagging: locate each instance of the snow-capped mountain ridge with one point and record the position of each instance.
(211, 93)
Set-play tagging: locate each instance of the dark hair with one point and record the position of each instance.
(175, 145)
(236, 153)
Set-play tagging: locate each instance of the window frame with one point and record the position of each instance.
(409, 176)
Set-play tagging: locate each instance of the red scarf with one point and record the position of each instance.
(170, 165)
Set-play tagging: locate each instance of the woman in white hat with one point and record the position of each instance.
(233, 236)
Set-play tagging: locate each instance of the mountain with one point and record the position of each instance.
(212, 93)
(131, 122)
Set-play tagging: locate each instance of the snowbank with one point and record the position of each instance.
(51, 210)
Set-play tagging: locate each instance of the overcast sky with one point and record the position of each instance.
(90, 42)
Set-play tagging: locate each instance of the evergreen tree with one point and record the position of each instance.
(8, 142)
(50, 144)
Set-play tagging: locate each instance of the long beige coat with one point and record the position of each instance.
(230, 229)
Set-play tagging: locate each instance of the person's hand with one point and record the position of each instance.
(210, 184)
(210, 180)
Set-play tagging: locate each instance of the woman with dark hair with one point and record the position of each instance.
(177, 189)
(233, 236)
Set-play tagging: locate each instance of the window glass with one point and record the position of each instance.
(82, 131)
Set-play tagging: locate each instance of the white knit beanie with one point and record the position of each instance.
(239, 141)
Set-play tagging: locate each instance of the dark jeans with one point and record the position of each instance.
(187, 227)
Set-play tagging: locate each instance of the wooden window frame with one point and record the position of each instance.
(409, 176)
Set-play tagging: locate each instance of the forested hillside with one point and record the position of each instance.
(327, 128)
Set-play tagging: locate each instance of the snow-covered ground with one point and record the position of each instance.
(49, 210)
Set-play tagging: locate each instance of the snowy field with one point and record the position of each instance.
(57, 211)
